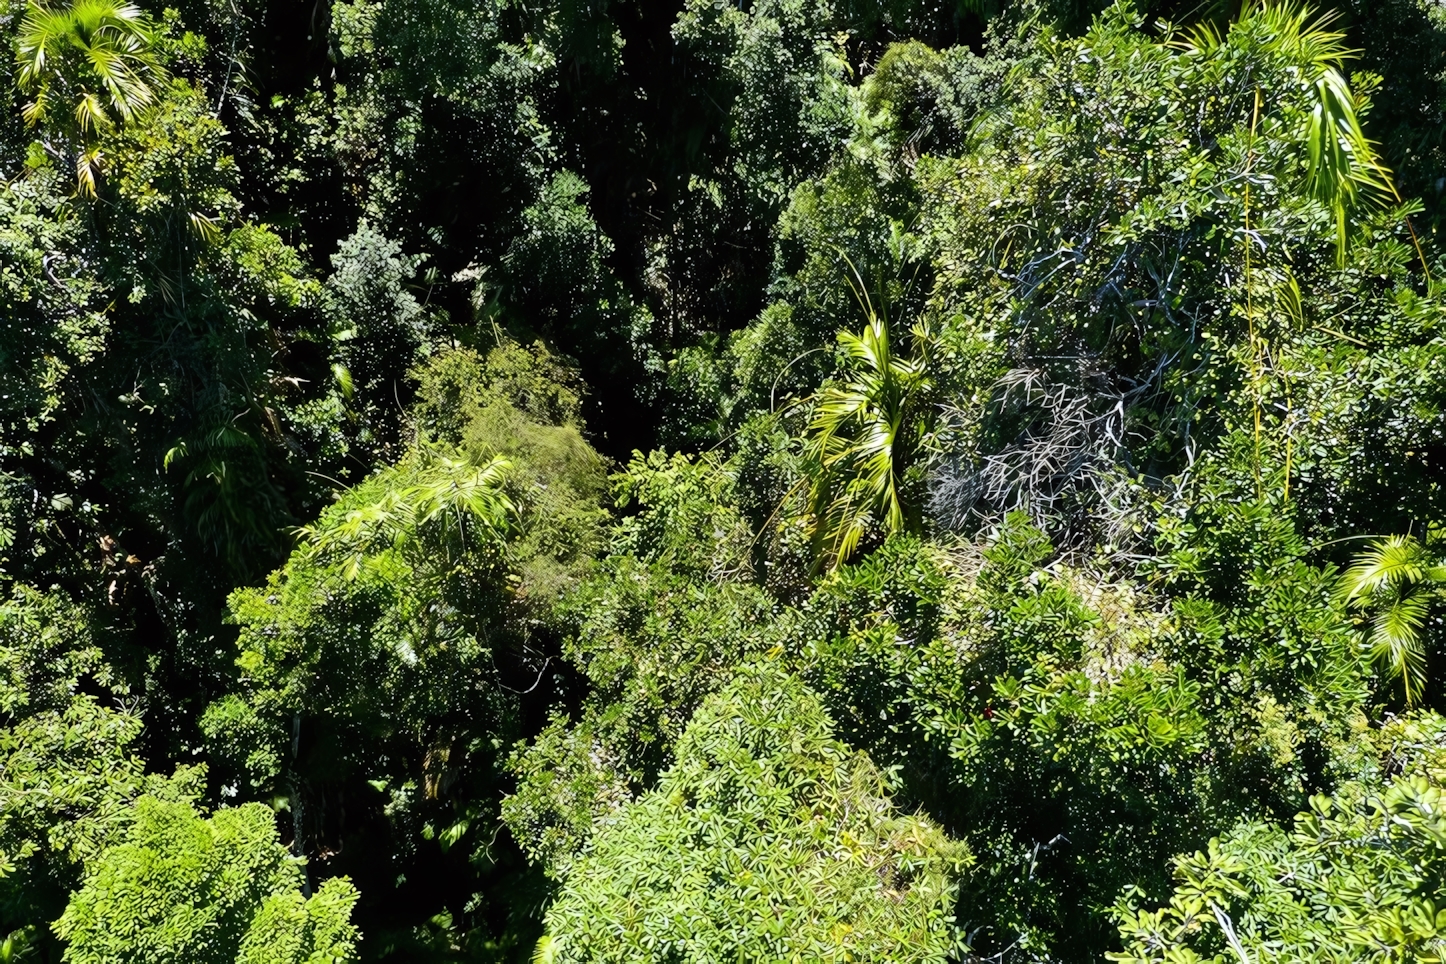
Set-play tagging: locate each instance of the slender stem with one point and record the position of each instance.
(1255, 376)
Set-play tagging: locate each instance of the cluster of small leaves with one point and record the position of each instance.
(210, 890)
(1355, 879)
(768, 839)
(660, 625)
(69, 764)
(1028, 707)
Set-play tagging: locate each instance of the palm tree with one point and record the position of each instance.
(1400, 577)
(1342, 164)
(424, 512)
(865, 434)
(86, 67)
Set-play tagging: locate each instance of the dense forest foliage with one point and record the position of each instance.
(696, 481)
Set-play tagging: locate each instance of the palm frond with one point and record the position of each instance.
(862, 439)
(1393, 561)
(1396, 644)
(1343, 166)
(1296, 34)
(96, 56)
(1200, 39)
(445, 500)
(1342, 163)
(87, 165)
(1399, 576)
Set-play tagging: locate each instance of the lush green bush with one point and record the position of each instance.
(768, 839)
(1355, 879)
(70, 764)
(212, 890)
(525, 405)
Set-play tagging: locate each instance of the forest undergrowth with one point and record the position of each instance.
(695, 481)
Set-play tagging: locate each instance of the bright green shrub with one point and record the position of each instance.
(1357, 879)
(766, 840)
(70, 765)
(524, 404)
(194, 890)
